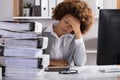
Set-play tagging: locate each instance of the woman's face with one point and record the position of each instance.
(65, 26)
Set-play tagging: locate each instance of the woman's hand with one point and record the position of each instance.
(75, 25)
(59, 62)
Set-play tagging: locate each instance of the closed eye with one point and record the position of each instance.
(66, 22)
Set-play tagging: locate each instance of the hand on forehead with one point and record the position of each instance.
(71, 18)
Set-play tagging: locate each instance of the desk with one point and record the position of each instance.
(85, 73)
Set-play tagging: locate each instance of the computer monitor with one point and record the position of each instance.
(108, 48)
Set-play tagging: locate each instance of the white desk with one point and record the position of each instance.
(85, 73)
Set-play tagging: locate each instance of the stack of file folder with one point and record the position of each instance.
(23, 72)
(22, 50)
(0, 72)
(20, 29)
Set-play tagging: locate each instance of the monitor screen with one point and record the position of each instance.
(108, 48)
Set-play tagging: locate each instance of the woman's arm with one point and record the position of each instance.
(79, 48)
(75, 25)
(79, 53)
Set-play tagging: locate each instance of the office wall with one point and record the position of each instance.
(110, 4)
(6, 10)
(6, 13)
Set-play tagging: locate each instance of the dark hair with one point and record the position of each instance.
(79, 9)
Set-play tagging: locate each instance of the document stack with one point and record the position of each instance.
(0, 72)
(20, 29)
(22, 50)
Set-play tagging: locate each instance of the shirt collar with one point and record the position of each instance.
(50, 30)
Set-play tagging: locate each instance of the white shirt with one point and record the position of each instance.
(57, 48)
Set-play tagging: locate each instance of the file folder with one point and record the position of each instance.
(9, 51)
(38, 28)
(20, 26)
(44, 8)
(17, 26)
(52, 4)
(23, 62)
(20, 73)
(1, 50)
(37, 2)
(27, 43)
(36, 10)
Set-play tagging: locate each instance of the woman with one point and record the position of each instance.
(65, 36)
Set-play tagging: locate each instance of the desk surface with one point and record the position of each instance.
(85, 73)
